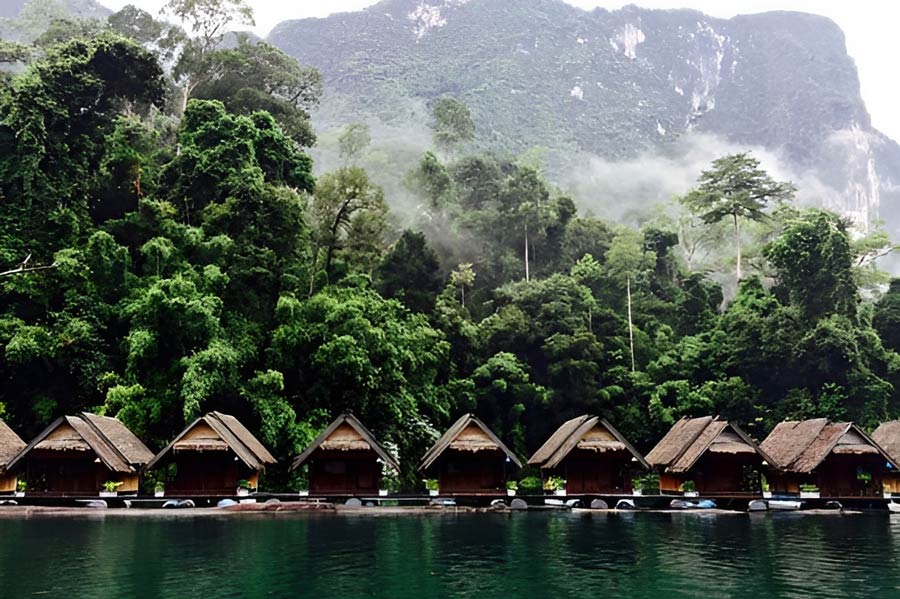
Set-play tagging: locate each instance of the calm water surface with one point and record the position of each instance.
(472, 555)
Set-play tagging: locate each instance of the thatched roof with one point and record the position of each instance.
(466, 434)
(346, 433)
(107, 438)
(227, 433)
(690, 438)
(590, 433)
(10, 445)
(887, 435)
(800, 447)
(116, 433)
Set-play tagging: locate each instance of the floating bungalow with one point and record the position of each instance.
(345, 459)
(591, 455)
(78, 454)
(212, 456)
(838, 459)
(469, 459)
(10, 446)
(714, 454)
(887, 435)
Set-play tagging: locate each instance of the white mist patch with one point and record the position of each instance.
(628, 38)
(620, 189)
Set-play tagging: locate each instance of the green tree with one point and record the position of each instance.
(462, 277)
(256, 76)
(354, 139)
(887, 316)
(208, 20)
(53, 126)
(410, 272)
(737, 189)
(814, 264)
(452, 124)
(349, 349)
(348, 213)
(504, 394)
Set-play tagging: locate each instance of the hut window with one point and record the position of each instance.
(335, 467)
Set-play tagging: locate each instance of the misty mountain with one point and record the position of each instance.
(80, 8)
(616, 88)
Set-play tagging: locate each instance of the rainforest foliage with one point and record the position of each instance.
(172, 253)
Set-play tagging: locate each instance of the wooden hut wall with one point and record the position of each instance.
(890, 481)
(836, 476)
(344, 464)
(464, 472)
(208, 473)
(204, 464)
(472, 464)
(10, 446)
(344, 472)
(723, 473)
(64, 463)
(8, 482)
(596, 472)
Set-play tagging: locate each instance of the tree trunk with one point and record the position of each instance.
(737, 246)
(527, 273)
(462, 293)
(630, 323)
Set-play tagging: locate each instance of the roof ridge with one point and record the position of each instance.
(357, 425)
(85, 417)
(460, 425)
(693, 439)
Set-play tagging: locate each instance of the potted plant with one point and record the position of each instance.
(809, 492)
(21, 487)
(766, 490)
(110, 488)
(432, 485)
(530, 485)
(556, 484)
(159, 489)
(689, 488)
(637, 486)
(511, 488)
(865, 478)
(244, 488)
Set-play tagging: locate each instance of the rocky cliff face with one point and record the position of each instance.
(617, 85)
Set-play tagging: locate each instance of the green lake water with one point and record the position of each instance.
(472, 555)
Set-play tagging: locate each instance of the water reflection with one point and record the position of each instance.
(483, 555)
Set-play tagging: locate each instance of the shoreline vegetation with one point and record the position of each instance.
(168, 249)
